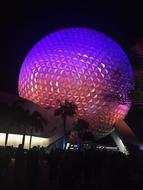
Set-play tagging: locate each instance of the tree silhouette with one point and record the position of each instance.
(22, 117)
(37, 123)
(65, 109)
(10, 115)
(16, 114)
(32, 121)
(6, 117)
(82, 127)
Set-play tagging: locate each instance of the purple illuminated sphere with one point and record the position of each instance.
(83, 66)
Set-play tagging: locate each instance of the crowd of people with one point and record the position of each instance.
(70, 169)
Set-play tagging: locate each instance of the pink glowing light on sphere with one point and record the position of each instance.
(83, 66)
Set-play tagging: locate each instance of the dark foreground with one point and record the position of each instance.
(87, 169)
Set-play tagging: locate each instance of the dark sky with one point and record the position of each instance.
(23, 23)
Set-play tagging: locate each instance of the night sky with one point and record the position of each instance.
(24, 23)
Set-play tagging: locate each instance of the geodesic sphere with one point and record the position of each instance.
(83, 66)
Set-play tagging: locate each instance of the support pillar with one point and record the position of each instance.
(119, 143)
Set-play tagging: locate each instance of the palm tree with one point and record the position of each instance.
(82, 127)
(28, 120)
(17, 114)
(37, 123)
(66, 109)
(6, 116)
(21, 116)
(25, 120)
(9, 115)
